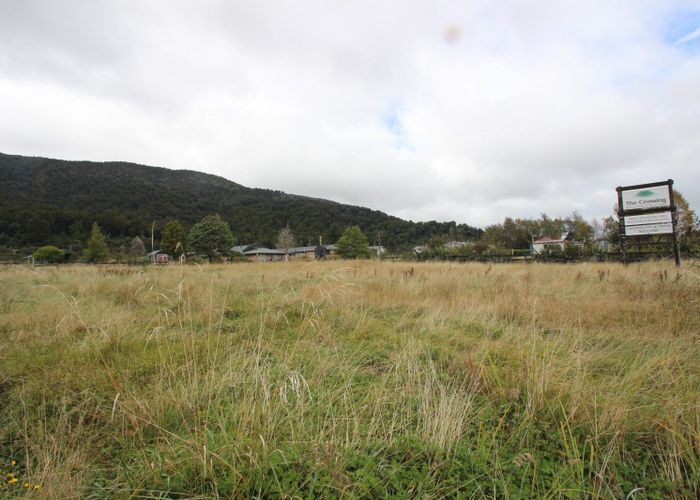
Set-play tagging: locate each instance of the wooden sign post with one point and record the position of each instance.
(647, 210)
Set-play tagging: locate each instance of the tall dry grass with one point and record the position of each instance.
(352, 378)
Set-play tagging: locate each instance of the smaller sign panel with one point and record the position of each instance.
(646, 198)
(644, 229)
(657, 218)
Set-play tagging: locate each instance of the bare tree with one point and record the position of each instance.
(598, 229)
(137, 247)
(285, 240)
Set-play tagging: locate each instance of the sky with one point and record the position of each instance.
(469, 111)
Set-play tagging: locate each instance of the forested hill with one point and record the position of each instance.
(55, 201)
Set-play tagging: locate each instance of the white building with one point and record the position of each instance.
(538, 246)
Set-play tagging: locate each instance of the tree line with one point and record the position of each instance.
(519, 233)
(55, 202)
(210, 238)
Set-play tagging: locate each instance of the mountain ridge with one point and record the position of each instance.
(53, 200)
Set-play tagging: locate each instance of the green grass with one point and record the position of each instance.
(351, 379)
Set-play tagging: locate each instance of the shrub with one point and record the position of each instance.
(49, 254)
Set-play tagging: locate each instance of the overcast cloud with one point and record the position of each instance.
(459, 110)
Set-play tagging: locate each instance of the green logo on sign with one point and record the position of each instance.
(645, 193)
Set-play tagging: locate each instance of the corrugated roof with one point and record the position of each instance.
(301, 249)
(242, 248)
(255, 250)
(264, 251)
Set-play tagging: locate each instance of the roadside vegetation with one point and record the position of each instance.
(354, 379)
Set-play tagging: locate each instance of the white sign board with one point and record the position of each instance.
(644, 229)
(646, 198)
(657, 218)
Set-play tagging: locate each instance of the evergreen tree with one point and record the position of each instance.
(96, 247)
(174, 238)
(211, 237)
(353, 244)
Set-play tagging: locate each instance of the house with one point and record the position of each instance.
(307, 252)
(539, 245)
(420, 249)
(546, 243)
(377, 250)
(157, 257)
(261, 254)
(242, 248)
(455, 245)
(324, 251)
(311, 252)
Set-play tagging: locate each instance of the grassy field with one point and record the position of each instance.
(351, 379)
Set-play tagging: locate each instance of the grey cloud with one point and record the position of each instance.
(530, 106)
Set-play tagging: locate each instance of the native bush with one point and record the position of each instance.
(353, 244)
(211, 237)
(49, 254)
